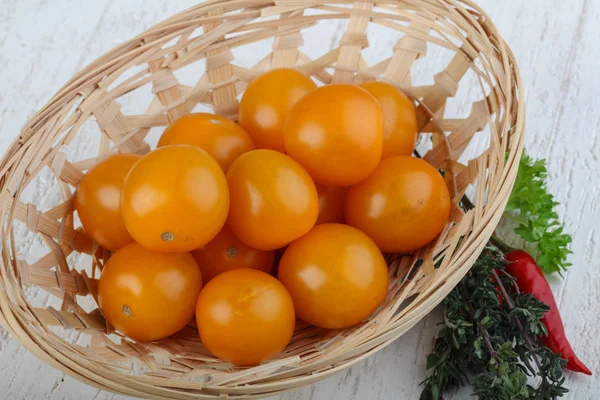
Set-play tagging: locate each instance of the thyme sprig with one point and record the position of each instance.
(491, 332)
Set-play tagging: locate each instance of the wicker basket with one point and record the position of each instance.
(213, 47)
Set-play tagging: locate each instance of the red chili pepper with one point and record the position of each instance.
(530, 279)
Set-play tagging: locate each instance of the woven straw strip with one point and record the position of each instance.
(353, 41)
(68, 281)
(38, 222)
(406, 52)
(285, 48)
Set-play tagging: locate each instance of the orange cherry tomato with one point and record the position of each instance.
(336, 275)
(336, 133)
(331, 204)
(245, 316)
(175, 199)
(400, 127)
(402, 206)
(147, 295)
(273, 199)
(227, 252)
(266, 103)
(98, 201)
(221, 138)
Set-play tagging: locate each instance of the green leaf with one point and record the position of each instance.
(435, 392)
(432, 360)
(477, 346)
(533, 207)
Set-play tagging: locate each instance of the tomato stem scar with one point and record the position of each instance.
(167, 236)
(126, 310)
(232, 252)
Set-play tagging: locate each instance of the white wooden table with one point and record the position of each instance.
(557, 43)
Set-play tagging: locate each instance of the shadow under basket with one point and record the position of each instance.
(203, 59)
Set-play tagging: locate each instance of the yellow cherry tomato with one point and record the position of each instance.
(221, 138)
(266, 102)
(336, 133)
(336, 276)
(147, 295)
(402, 206)
(273, 199)
(227, 252)
(175, 199)
(98, 201)
(245, 316)
(400, 127)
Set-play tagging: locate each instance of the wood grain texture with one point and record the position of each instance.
(43, 43)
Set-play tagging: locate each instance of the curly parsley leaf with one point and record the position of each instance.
(533, 207)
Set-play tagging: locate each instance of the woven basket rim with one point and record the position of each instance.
(111, 380)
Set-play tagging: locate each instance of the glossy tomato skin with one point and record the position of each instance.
(400, 127)
(273, 199)
(148, 295)
(98, 201)
(227, 252)
(402, 206)
(336, 133)
(336, 275)
(175, 199)
(266, 102)
(245, 316)
(221, 138)
(331, 204)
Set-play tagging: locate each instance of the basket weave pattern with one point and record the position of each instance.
(180, 367)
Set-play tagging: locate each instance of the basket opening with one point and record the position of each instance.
(136, 101)
(154, 135)
(85, 144)
(189, 75)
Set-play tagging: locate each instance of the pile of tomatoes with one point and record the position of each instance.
(311, 186)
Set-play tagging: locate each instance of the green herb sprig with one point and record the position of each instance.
(533, 208)
(491, 332)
